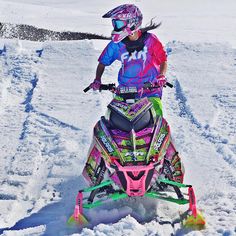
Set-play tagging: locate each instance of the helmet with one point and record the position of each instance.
(126, 19)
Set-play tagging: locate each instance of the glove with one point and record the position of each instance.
(160, 81)
(95, 85)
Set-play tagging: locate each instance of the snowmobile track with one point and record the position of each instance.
(225, 104)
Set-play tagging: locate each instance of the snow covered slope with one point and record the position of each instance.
(43, 120)
(47, 121)
(46, 129)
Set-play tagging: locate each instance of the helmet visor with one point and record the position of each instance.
(118, 25)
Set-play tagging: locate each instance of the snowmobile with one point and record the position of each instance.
(127, 158)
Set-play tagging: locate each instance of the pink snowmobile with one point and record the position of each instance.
(127, 158)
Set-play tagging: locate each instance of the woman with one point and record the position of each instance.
(141, 54)
(143, 60)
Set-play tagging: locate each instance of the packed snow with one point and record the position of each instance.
(47, 121)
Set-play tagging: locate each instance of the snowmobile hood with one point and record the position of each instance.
(130, 112)
(132, 148)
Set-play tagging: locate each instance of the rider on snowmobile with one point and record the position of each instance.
(143, 61)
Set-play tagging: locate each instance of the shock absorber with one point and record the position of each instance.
(99, 177)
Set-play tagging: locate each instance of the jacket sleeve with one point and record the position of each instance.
(158, 51)
(109, 54)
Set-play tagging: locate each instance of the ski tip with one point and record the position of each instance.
(80, 220)
(196, 223)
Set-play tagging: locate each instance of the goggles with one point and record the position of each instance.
(119, 25)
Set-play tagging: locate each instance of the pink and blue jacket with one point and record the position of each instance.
(139, 67)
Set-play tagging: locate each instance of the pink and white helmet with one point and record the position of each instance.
(126, 19)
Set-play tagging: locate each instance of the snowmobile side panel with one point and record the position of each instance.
(103, 136)
(160, 142)
(93, 166)
(169, 199)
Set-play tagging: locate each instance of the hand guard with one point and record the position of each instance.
(160, 81)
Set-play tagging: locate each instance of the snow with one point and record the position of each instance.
(36, 231)
(47, 121)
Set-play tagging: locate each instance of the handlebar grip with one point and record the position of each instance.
(104, 87)
(169, 85)
(86, 89)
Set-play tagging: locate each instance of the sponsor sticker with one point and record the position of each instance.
(159, 142)
(107, 144)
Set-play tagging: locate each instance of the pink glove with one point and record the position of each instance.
(95, 85)
(160, 81)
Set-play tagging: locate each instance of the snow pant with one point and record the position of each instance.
(157, 105)
(172, 157)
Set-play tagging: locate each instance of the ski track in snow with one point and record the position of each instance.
(18, 71)
(46, 128)
(47, 152)
(220, 134)
(224, 122)
(205, 131)
(40, 151)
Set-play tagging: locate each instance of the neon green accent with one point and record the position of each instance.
(180, 185)
(126, 142)
(101, 134)
(117, 196)
(118, 98)
(140, 142)
(105, 183)
(141, 152)
(151, 149)
(154, 100)
(169, 199)
(157, 105)
(129, 111)
(80, 221)
(197, 223)
(157, 149)
(92, 205)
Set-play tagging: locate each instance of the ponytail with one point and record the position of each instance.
(151, 26)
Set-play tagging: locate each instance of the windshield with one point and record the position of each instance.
(117, 121)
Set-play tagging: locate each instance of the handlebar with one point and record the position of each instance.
(112, 87)
(169, 85)
(86, 89)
